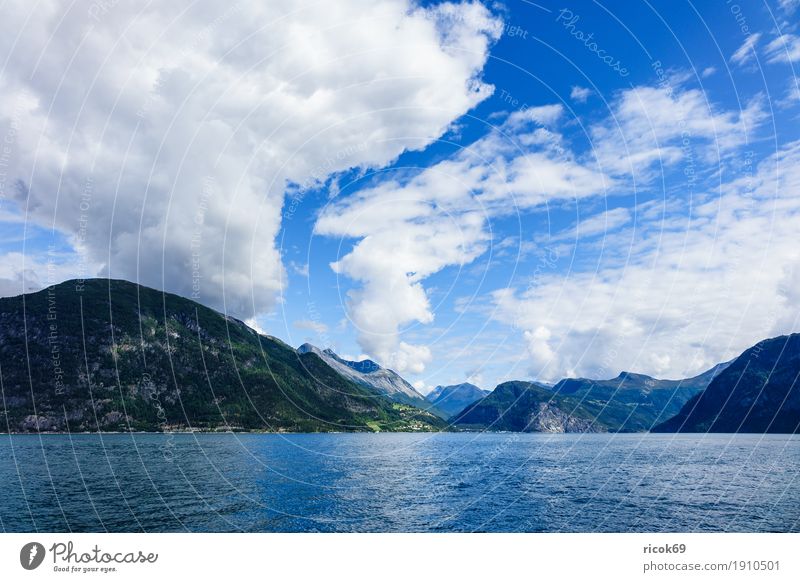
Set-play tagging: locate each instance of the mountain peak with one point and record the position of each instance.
(624, 375)
(308, 348)
(455, 398)
(371, 374)
(362, 366)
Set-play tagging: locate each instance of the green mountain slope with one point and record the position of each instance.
(112, 355)
(758, 393)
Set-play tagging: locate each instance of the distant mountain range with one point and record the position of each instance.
(114, 356)
(628, 403)
(758, 393)
(453, 399)
(370, 374)
(111, 355)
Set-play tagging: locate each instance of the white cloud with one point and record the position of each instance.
(166, 134)
(579, 94)
(708, 71)
(654, 127)
(17, 280)
(391, 264)
(688, 293)
(747, 51)
(602, 223)
(254, 324)
(411, 228)
(542, 115)
(792, 95)
(784, 49)
(301, 269)
(475, 377)
(21, 273)
(316, 326)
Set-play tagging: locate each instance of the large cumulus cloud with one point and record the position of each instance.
(160, 138)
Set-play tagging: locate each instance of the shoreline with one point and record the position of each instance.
(229, 432)
(494, 432)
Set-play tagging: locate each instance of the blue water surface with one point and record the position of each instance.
(399, 482)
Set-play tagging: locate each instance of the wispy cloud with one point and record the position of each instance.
(316, 326)
(655, 127)
(579, 94)
(602, 223)
(409, 229)
(784, 49)
(690, 290)
(747, 51)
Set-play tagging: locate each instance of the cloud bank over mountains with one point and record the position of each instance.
(697, 284)
(160, 139)
(174, 145)
(443, 216)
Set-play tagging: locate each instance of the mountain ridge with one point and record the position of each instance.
(110, 355)
(368, 373)
(631, 402)
(455, 397)
(149, 360)
(758, 392)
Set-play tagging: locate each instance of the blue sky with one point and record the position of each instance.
(460, 191)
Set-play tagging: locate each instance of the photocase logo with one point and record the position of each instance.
(31, 555)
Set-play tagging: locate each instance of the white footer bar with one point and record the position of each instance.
(407, 557)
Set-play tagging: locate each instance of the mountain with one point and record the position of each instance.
(527, 407)
(628, 403)
(635, 402)
(112, 355)
(758, 393)
(455, 398)
(370, 374)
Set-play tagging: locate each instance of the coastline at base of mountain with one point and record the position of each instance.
(110, 355)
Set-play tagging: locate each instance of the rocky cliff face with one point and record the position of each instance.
(528, 407)
(547, 418)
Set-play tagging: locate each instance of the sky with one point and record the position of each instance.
(461, 191)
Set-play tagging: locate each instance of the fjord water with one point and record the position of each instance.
(400, 482)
